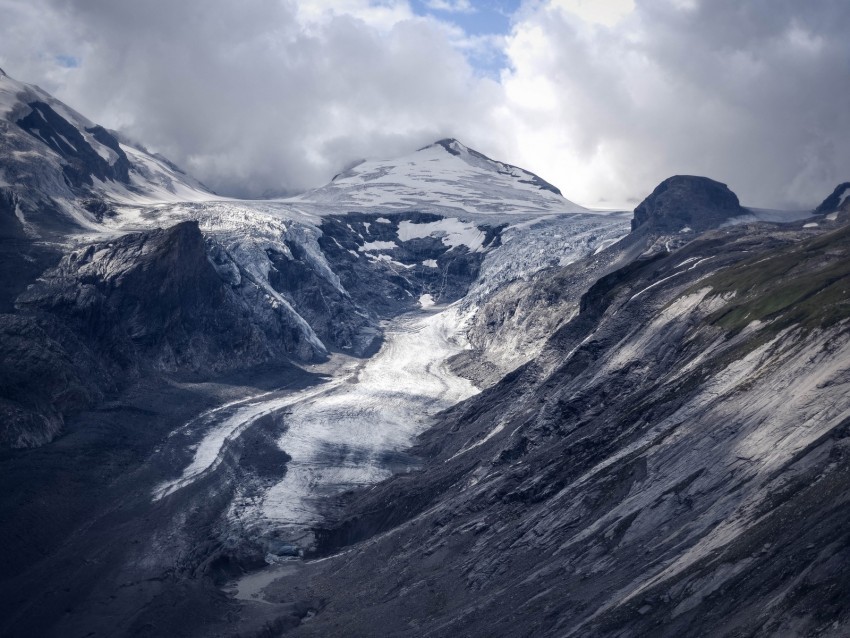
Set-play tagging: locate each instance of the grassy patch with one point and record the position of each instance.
(807, 284)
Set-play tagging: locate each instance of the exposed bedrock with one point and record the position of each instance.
(673, 463)
(111, 312)
(687, 201)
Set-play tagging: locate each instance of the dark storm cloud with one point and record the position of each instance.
(267, 95)
(753, 93)
(254, 96)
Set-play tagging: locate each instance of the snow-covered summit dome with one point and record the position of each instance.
(445, 176)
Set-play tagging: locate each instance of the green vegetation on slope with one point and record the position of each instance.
(806, 284)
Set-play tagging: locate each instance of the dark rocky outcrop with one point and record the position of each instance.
(82, 162)
(685, 201)
(155, 297)
(390, 280)
(834, 202)
(147, 303)
(47, 372)
(332, 313)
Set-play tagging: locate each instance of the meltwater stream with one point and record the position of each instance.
(339, 434)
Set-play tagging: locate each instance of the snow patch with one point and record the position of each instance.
(377, 245)
(388, 260)
(453, 232)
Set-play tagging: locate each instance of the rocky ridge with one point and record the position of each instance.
(672, 462)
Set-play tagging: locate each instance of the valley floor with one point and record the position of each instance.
(250, 477)
(350, 431)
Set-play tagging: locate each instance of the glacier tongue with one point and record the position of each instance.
(349, 432)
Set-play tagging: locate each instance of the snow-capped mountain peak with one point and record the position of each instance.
(474, 158)
(59, 170)
(445, 176)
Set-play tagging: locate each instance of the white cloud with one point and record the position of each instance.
(450, 6)
(263, 96)
(604, 99)
(380, 15)
(745, 92)
(605, 12)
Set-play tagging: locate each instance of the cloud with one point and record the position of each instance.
(450, 6)
(607, 12)
(604, 99)
(266, 96)
(749, 93)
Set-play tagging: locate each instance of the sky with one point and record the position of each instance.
(603, 98)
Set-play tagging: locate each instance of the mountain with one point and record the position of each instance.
(61, 171)
(673, 461)
(432, 397)
(82, 212)
(443, 177)
(686, 202)
(837, 203)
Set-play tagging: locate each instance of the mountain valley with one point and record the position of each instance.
(432, 397)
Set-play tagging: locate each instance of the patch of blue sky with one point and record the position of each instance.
(484, 22)
(67, 61)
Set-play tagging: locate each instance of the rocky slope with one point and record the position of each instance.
(672, 463)
(660, 447)
(261, 281)
(511, 325)
(112, 312)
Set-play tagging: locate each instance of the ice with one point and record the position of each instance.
(222, 426)
(338, 438)
(377, 245)
(452, 231)
(339, 432)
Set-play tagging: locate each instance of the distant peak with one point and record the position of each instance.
(836, 201)
(450, 144)
(687, 201)
(3, 74)
(471, 156)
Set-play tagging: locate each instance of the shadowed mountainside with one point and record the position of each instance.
(674, 462)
